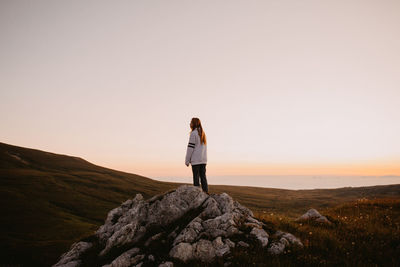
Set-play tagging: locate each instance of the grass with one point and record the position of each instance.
(365, 232)
(49, 201)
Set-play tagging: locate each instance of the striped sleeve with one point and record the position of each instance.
(190, 147)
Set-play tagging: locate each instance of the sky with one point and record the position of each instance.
(281, 87)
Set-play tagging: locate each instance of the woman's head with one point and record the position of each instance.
(195, 123)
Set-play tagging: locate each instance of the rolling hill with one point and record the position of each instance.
(48, 201)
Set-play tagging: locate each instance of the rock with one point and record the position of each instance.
(72, 257)
(179, 226)
(211, 209)
(292, 240)
(127, 259)
(221, 248)
(152, 239)
(314, 215)
(166, 264)
(277, 247)
(204, 250)
(190, 232)
(229, 243)
(243, 244)
(182, 251)
(282, 241)
(261, 236)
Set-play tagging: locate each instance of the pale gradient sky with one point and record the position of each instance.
(281, 87)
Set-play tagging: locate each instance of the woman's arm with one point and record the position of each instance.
(190, 148)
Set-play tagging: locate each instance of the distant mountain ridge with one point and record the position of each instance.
(48, 201)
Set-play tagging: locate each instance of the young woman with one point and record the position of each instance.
(196, 153)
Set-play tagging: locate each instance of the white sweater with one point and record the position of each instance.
(196, 152)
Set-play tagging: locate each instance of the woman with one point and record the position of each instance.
(196, 153)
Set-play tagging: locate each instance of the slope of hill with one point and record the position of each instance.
(48, 201)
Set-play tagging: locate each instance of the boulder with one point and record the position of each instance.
(313, 215)
(282, 241)
(178, 226)
(183, 251)
(260, 235)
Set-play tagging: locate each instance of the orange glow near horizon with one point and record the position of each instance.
(310, 90)
(371, 168)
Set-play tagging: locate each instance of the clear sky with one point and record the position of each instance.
(281, 87)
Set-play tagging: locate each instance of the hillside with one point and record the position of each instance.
(49, 201)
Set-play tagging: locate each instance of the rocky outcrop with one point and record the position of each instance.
(182, 225)
(313, 215)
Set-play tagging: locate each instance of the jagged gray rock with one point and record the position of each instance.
(127, 258)
(182, 251)
(181, 225)
(314, 215)
(261, 235)
(72, 257)
(282, 241)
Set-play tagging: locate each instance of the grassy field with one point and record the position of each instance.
(365, 232)
(49, 201)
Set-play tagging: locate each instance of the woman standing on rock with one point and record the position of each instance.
(196, 153)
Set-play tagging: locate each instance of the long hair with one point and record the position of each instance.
(196, 124)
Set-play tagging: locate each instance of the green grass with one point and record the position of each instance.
(49, 201)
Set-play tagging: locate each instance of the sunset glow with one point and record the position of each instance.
(281, 88)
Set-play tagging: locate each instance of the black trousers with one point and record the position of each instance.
(200, 170)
